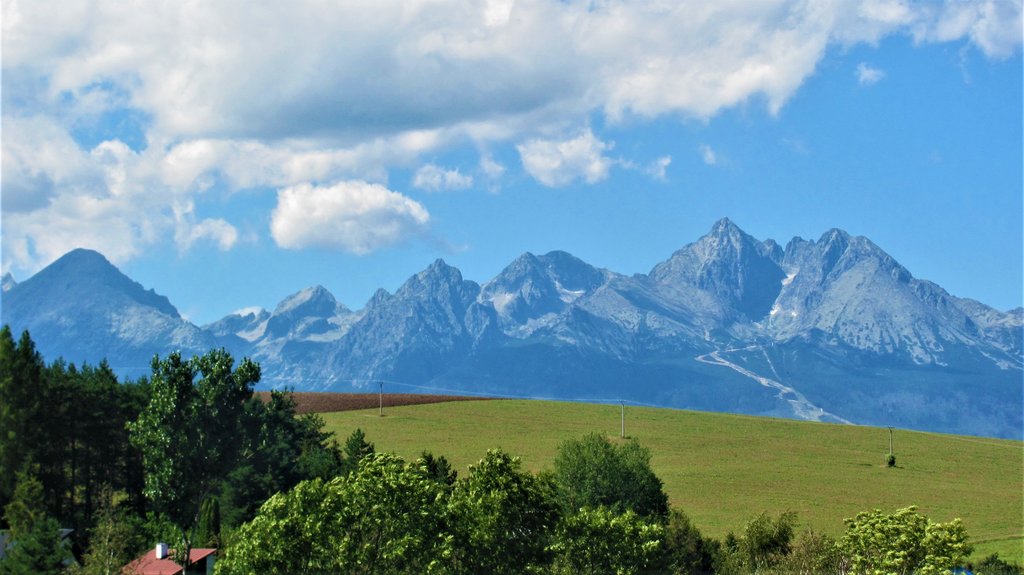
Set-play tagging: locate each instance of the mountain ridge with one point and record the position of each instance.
(828, 328)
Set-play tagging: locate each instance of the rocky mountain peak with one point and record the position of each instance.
(438, 278)
(83, 275)
(730, 264)
(307, 311)
(315, 300)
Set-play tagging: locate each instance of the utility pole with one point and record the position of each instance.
(622, 417)
(890, 441)
(381, 398)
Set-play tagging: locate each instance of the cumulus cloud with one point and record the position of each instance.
(352, 216)
(867, 76)
(556, 163)
(204, 73)
(293, 92)
(187, 231)
(433, 179)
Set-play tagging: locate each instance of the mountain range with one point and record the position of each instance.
(832, 329)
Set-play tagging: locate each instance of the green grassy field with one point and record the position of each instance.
(722, 470)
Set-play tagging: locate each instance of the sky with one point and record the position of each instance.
(229, 153)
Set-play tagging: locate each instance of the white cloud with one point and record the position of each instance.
(187, 231)
(355, 89)
(867, 76)
(707, 154)
(433, 179)
(490, 167)
(556, 163)
(203, 73)
(352, 216)
(657, 168)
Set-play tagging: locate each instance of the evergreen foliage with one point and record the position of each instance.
(687, 551)
(437, 468)
(355, 449)
(993, 565)
(36, 545)
(208, 530)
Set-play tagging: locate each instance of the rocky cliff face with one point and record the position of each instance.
(833, 329)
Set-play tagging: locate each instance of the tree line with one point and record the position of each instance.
(189, 456)
(127, 464)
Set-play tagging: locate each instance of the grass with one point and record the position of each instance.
(723, 470)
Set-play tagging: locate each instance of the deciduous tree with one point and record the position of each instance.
(502, 518)
(903, 542)
(593, 472)
(600, 541)
(190, 435)
(385, 517)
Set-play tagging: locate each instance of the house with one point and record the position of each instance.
(157, 562)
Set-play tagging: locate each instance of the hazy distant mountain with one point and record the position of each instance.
(82, 308)
(831, 330)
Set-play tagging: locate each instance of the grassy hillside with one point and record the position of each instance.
(724, 469)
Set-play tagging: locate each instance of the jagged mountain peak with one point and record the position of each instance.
(311, 311)
(724, 226)
(533, 286)
(437, 277)
(730, 264)
(837, 251)
(314, 297)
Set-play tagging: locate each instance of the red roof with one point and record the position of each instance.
(148, 564)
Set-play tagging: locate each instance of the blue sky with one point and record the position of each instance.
(230, 156)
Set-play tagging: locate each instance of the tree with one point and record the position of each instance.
(903, 542)
(993, 565)
(385, 517)
(687, 551)
(502, 518)
(356, 448)
(23, 421)
(437, 468)
(766, 541)
(811, 554)
(600, 541)
(114, 541)
(592, 472)
(208, 532)
(36, 543)
(191, 434)
(280, 449)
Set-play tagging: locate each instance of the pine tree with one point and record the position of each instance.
(36, 545)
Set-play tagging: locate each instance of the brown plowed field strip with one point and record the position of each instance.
(319, 402)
